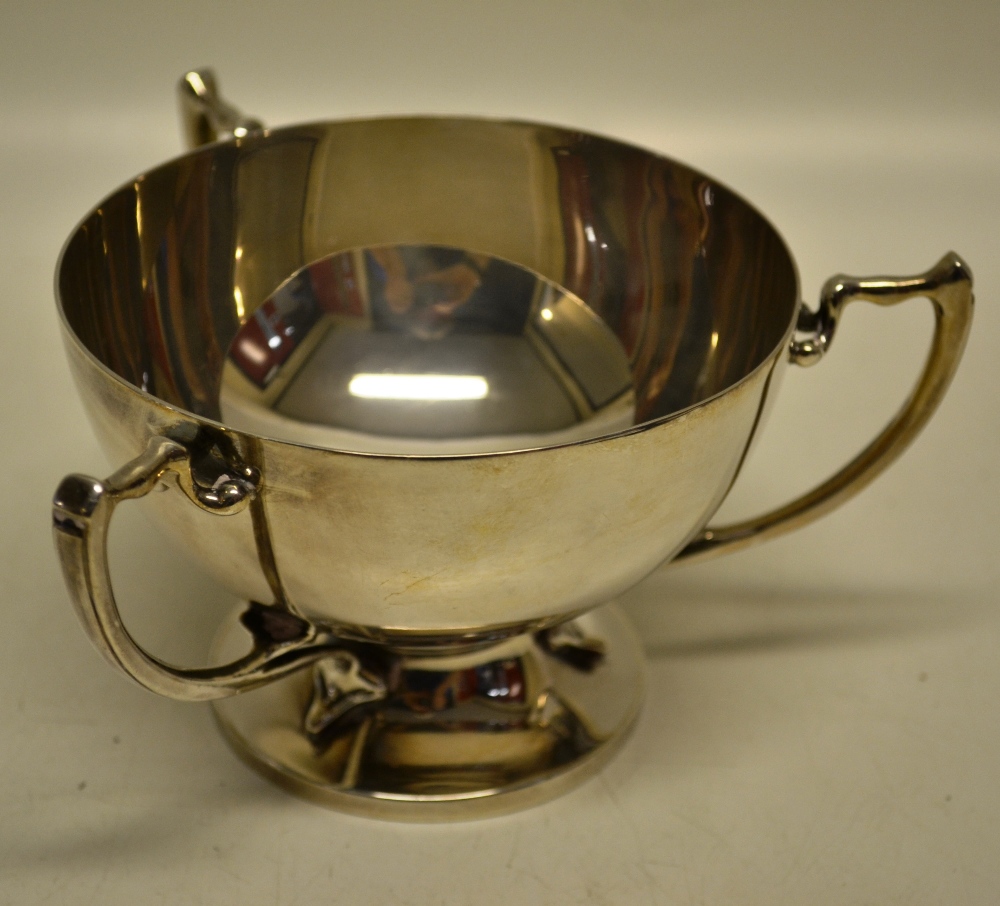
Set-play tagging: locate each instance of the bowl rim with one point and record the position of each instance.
(767, 361)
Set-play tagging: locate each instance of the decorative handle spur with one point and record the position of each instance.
(211, 475)
(205, 115)
(948, 286)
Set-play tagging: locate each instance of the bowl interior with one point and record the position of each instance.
(587, 285)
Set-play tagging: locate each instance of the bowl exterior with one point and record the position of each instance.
(387, 545)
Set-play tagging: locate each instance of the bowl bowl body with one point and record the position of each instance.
(696, 286)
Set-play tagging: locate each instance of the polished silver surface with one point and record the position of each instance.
(205, 115)
(948, 287)
(455, 383)
(425, 349)
(693, 283)
(385, 735)
(209, 473)
(679, 277)
(163, 282)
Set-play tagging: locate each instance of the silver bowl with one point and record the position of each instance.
(455, 383)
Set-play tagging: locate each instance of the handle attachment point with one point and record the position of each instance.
(948, 286)
(208, 469)
(205, 116)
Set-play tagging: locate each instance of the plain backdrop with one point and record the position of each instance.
(821, 722)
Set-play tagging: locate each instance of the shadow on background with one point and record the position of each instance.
(677, 618)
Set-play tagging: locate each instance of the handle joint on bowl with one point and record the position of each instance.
(205, 115)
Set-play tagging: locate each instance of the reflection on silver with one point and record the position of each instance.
(418, 387)
(430, 590)
(387, 734)
(425, 349)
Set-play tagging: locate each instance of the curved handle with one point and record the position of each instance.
(205, 116)
(212, 476)
(948, 285)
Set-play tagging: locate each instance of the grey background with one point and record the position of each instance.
(821, 723)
